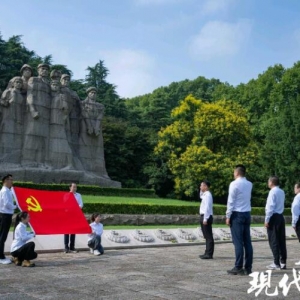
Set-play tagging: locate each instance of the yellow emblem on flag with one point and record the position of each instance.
(33, 204)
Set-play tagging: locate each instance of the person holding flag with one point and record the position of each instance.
(21, 251)
(7, 208)
(94, 238)
(71, 237)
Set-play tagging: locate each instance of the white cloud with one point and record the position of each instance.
(156, 2)
(214, 6)
(131, 70)
(219, 39)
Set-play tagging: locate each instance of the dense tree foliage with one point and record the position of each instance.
(204, 141)
(193, 129)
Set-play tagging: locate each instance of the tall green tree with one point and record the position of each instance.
(106, 92)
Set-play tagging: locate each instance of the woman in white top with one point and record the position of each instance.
(22, 251)
(94, 239)
(296, 212)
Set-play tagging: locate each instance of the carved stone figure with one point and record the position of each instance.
(11, 127)
(91, 150)
(60, 153)
(73, 122)
(47, 134)
(26, 72)
(55, 74)
(35, 150)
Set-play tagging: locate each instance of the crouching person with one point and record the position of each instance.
(94, 238)
(21, 251)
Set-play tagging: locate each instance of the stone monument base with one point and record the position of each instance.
(44, 175)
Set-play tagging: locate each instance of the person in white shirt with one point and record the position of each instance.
(238, 217)
(206, 219)
(21, 251)
(275, 224)
(69, 239)
(94, 238)
(296, 213)
(7, 208)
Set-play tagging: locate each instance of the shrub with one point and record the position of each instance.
(117, 208)
(90, 189)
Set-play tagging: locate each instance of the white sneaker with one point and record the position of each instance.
(5, 261)
(297, 263)
(91, 250)
(282, 266)
(96, 252)
(273, 267)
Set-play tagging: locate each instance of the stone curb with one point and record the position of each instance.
(149, 246)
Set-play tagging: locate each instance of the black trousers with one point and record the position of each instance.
(95, 244)
(276, 236)
(5, 223)
(297, 229)
(26, 252)
(208, 235)
(71, 238)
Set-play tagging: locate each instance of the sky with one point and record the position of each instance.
(146, 44)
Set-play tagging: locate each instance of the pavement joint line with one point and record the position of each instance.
(149, 246)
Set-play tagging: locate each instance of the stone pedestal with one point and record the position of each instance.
(44, 175)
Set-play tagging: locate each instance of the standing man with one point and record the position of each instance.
(206, 219)
(71, 237)
(7, 208)
(275, 224)
(238, 217)
(296, 213)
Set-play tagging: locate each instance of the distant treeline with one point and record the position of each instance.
(177, 135)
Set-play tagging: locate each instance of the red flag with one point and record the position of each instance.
(52, 212)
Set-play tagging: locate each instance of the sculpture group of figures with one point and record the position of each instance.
(44, 124)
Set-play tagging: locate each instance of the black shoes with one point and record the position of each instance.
(238, 271)
(248, 271)
(206, 256)
(73, 250)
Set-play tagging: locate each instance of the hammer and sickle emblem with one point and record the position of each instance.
(33, 204)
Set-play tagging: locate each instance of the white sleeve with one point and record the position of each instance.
(270, 206)
(208, 205)
(7, 201)
(295, 211)
(231, 200)
(79, 200)
(24, 235)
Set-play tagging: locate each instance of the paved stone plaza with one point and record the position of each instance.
(149, 273)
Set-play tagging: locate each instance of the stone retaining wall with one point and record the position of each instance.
(120, 219)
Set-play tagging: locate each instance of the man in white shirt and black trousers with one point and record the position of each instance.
(206, 219)
(7, 208)
(70, 238)
(238, 217)
(275, 224)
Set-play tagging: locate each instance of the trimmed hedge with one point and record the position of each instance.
(148, 209)
(90, 189)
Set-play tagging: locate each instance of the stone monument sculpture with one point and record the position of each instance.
(60, 153)
(11, 127)
(91, 148)
(37, 120)
(73, 121)
(47, 134)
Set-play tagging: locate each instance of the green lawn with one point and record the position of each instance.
(131, 200)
